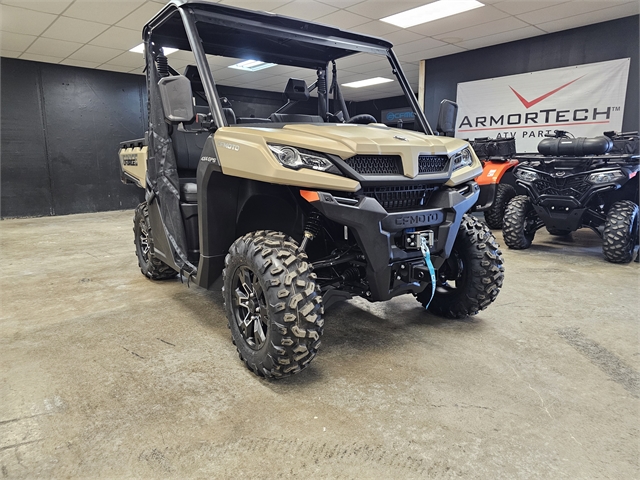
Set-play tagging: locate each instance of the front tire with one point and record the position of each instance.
(493, 216)
(272, 303)
(149, 265)
(471, 278)
(520, 223)
(620, 235)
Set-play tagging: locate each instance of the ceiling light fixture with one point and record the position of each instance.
(367, 82)
(140, 49)
(252, 65)
(430, 12)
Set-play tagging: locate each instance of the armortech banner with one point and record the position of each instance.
(585, 100)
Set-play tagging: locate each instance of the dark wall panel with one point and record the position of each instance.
(25, 174)
(590, 44)
(88, 113)
(61, 129)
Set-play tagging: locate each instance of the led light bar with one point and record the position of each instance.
(252, 65)
(432, 11)
(140, 49)
(368, 82)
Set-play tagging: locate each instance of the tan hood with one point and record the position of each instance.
(346, 140)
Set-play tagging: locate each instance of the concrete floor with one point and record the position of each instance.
(104, 373)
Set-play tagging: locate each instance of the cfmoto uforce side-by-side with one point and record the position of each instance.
(303, 206)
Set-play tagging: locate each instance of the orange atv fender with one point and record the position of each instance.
(492, 172)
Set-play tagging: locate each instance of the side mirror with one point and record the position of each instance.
(447, 118)
(177, 99)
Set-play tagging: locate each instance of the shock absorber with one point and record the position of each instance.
(311, 229)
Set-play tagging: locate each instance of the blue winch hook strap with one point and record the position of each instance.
(432, 271)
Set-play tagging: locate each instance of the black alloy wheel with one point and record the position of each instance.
(250, 307)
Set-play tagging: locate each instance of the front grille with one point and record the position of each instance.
(432, 163)
(376, 164)
(574, 186)
(398, 198)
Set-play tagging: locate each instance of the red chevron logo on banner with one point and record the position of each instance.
(529, 104)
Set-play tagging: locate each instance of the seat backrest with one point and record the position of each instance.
(188, 146)
(295, 118)
(230, 115)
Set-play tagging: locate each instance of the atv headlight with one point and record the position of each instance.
(297, 158)
(605, 177)
(462, 159)
(526, 175)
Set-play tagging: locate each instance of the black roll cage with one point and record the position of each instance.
(318, 44)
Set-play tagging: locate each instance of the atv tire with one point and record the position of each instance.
(149, 265)
(273, 305)
(620, 235)
(493, 215)
(520, 223)
(476, 267)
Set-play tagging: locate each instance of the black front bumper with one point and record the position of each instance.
(374, 229)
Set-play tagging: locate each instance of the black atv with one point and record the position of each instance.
(575, 183)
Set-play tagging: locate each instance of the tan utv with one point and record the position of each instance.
(308, 206)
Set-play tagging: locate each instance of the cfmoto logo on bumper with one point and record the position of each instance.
(410, 220)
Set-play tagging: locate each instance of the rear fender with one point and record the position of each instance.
(492, 172)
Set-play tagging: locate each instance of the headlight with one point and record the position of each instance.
(526, 175)
(605, 177)
(462, 159)
(297, 158)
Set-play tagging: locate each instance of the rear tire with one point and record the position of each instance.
(493, 216)
(149, 265)
(520, 223)
(475, 266)
(620, 235)
(273, 305)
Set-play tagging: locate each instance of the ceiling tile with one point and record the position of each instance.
(73, 29)
(376, 28)
(484, 30)
(341, 3)
(9, 53)
(16, 41)
(102, 12)
(343, 19)
(516, 7)
(40, 58)
(469, 19)
(118, 37)
(418, 45)
(440, 52)
(611, 13)
(262, 5)
(138, 71)
(53, 48)
(48, 6)
(503, 37)
(114, 68)
(27, 22)
(377, 9)
(564, 10)
(139, 17)
(305, 9)
(93, 53)
(131, 60)
(79, 63)
(402, 36)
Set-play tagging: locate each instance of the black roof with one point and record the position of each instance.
(239, 33)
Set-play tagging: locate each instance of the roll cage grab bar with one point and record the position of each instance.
(189, 16)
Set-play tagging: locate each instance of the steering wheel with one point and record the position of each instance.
(363, 119)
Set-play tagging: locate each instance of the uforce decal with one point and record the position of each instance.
(427, 218)
(229, 146)
(130, 159)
